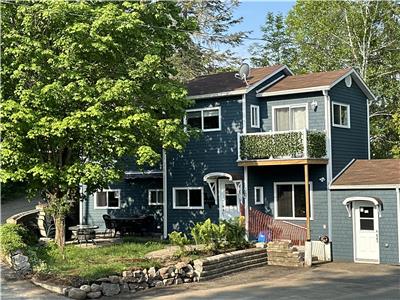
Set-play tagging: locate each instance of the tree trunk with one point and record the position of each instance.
(60, 232)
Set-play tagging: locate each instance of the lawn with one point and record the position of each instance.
(93, 263)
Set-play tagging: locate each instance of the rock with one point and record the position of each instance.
(187, 280)
(142, 286)
(114, 279)
(143, 278)
(66, 290)
(181, 265)
(20, 262)
(152, 272)
(94, 295)
(188, 268)
(137, 274)
(76, 293)
(158, 283)
(178, 281)
(105, 279)
(163, 271)
(133, 286)
(86, 288)
(196, 279)
(168, 281)
(127, 274)
(110, 289)
(95, 287)
(124, 287)
(144, 271)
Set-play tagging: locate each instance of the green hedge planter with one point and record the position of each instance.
(282, 145)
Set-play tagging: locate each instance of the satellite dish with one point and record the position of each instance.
(244, 72)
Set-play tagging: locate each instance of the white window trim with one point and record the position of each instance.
(261, 189)
(201, 110)
(348, 115)
(158, 203)
(187, 189)
(288, 106)
(255, 120)
(276, 200)
(107, 207)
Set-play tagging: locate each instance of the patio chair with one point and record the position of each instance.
(110, 225)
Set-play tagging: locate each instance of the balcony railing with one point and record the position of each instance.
(301, 144)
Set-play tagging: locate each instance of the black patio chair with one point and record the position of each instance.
(110, 225)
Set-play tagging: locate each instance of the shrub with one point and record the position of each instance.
(235, 232)
(179, 239)
(211, 235)
(14, 237)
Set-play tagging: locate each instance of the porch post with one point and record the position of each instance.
(307, 248)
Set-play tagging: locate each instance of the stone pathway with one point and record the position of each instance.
(13, 288)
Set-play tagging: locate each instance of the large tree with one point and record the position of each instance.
(84, 84)
(328, 35)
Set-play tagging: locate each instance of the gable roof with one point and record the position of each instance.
(217, 85)
(369, 173)
(314, 82)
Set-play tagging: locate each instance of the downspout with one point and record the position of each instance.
(329, 154)
(369, 133)
(398, 218)
(165, 194)
(245, 171)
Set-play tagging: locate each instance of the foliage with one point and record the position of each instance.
(204, 55)
(93, 263)
(88, 83)
(179, 239)
(316, 144)
(14, 237)
(277, 46)
(329, 35)
(235, 232)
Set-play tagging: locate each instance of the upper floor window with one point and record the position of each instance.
(341, 115)
(255, 116)
(206, 119)
(188, 198)
(107, 199)
(155, 197)
(291, 117)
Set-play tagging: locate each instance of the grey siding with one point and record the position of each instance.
(134, 201)
(349, 143)
(211, 152)
(266, 176)
(316, 119)
(342, 225)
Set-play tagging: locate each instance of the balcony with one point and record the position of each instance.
(284, 147)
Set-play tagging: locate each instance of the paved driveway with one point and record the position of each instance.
(328, 281)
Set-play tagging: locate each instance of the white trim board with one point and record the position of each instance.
(365, 187)
(398, 218)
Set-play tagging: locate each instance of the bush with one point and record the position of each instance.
(235, 232)
(179, 239)
(14, 237)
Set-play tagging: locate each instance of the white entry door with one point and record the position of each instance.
(228, 200)
(366, 232)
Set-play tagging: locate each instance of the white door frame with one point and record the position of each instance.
(376, 221)
(221, 188)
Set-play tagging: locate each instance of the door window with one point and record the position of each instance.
(230, 195)
(366, 218)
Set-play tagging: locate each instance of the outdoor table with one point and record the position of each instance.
(129, 224)
(84, 233)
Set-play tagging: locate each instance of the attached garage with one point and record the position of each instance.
(366, 212)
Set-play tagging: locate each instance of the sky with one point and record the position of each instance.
(253, 13)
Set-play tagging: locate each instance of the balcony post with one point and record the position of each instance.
(308, 249)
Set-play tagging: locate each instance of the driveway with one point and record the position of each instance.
(15, 289)
(325, 281)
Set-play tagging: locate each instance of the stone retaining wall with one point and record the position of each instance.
(283, 253)
(223, 264)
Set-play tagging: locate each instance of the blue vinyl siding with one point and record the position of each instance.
(134, 201)
(342, 225)
(211, 152)
(349, 143)
(267, 176)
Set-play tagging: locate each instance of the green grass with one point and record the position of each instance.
(94, 263)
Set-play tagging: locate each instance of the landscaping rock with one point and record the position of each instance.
(187, 280)
(127, 274)
(103, 280)
(95, 287)
(86, 288)
(114, 279)
(94, 295)
(181, 265)
(168, 281)
(76, 293)
(133, 286)
(178, 281)
(152, 273)
(110, 289)
(162, 272)
(124, 287)
(142, 286)
(158, 283)
(137, 274)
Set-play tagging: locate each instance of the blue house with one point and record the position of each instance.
(272, 145)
